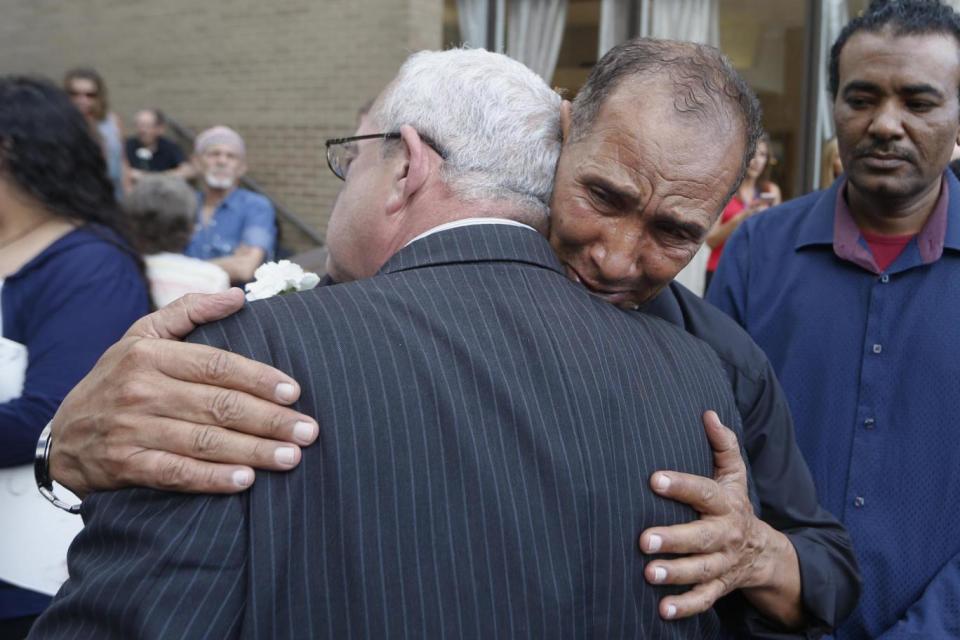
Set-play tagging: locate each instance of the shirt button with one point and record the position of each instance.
(885, 278)
(877, 348)
(869, 423)
(858, 501)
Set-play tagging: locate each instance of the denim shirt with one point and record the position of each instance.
(243, 218)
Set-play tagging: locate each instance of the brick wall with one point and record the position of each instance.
(285, 73)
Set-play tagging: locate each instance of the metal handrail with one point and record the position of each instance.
(249, 183)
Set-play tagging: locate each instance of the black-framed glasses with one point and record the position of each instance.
(342, 151)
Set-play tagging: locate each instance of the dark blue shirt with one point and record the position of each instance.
(870, 363)
(67, 305)
(244, 217)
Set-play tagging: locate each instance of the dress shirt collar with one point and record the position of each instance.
(831, 223)
(468, 222)
(476, 243)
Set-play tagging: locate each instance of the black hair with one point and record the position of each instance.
(48, 151)
(904, 17)
(704, 82)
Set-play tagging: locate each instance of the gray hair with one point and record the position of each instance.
(704, 81)
(161, 210)
(496, 122)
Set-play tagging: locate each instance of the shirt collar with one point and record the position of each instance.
(831, 223)
(469, 222)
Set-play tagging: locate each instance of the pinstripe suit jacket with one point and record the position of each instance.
(488, 433)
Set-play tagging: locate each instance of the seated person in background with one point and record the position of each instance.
(755, 194)
(236, 228)
(161, 213)
(70, 285)
(151, 152)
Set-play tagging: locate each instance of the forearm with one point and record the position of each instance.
(239, 267)
(776, 591)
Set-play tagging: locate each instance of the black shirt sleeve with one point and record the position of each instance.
(829, 575)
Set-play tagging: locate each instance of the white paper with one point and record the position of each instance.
(34, 535)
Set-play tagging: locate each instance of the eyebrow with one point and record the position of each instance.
(692, 229)
(910, 89)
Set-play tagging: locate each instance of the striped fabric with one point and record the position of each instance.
(488, 430)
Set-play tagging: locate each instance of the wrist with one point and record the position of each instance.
(774, 585)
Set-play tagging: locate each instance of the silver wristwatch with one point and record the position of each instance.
(41, 471)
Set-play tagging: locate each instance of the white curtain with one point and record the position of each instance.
(534, 33)
(473, 18)
(835, 16)
(691, 20)
(621, 20)
(472, 15)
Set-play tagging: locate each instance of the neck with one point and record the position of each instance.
(892, 216)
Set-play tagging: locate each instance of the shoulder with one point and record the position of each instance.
(778, 226)
(732, 344)
(84, 255)
(252, 200)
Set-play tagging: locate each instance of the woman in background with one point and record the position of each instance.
(88, 92)
(830, 165)
(70, 284)
(755, 194)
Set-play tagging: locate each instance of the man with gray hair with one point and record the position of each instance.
(236, 228)
(490, 426)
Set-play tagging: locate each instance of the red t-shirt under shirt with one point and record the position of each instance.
(885, 249)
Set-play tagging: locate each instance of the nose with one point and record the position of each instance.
(887, 122)
(616, 258)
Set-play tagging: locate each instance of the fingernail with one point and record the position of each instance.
(243, 477)
(285, 392)
(305, 432)
(659, 574)
(654, 543)
(661, 482)
(671, 611)
(285, 455)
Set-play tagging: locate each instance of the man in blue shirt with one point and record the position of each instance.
(236, 228)
(854, 294)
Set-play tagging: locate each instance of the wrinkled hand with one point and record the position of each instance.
(165, 414)
(723, 550)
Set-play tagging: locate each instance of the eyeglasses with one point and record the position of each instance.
(343, 151)
(85, 94)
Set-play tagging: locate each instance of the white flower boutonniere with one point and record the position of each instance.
(272, 278)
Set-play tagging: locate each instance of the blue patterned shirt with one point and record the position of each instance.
(870, 362)
(244, 217)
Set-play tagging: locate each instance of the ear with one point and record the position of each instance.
(242, 168)
(413, 172)
(195, 161)
(566, 115)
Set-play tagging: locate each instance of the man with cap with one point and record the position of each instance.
(236, 228)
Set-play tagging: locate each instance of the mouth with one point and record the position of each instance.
(884, 161)
(621, 298)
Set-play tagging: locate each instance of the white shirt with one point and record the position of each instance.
(172, 275)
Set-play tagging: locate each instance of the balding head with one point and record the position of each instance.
(706, 87)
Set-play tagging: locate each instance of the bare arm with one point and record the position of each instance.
(241, 265)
